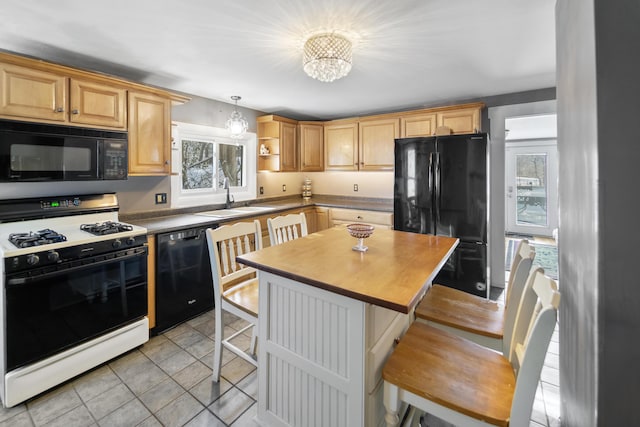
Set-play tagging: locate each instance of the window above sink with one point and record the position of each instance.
(204, 156)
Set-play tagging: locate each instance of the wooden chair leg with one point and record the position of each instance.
(217, 345)
(391, 404)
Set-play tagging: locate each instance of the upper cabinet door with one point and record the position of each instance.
(93, 103)
(149, 134)
(32, 94)
(311, 147)
(341, 146)
(461, 121)
(288, 148)
(377, 139)
(417, 125)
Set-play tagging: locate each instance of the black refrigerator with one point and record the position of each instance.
(441, 187)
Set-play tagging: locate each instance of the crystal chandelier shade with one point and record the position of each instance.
(237, 125)
(327, 57)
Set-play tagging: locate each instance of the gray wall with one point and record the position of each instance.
(598, 64)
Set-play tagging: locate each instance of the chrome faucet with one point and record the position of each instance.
(230, 199)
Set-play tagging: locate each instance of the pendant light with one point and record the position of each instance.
(237, 125)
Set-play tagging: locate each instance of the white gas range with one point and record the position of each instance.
(74, 290)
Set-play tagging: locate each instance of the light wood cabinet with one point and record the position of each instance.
(460, 121)
(363, 145)
(149, 134)
(288, 148)
(39, 95)
(278, 136)
(93, 103)
(322, 218)
(341, 146)
(376, 142)
(311, 146)
(418, 125)
(379, 219)
(32, 94)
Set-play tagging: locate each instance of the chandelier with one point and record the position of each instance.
(237, 125)
(327, 57)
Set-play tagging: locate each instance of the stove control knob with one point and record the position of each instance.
(53, 256)
(116, 243)
(131, 241)
(33, 259)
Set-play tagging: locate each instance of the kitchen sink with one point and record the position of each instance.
(222, 213)
(242, 210)
(254, 208)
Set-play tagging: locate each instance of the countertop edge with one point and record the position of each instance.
(187, 218)
(327, 287)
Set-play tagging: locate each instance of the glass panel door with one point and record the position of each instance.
(531, 187)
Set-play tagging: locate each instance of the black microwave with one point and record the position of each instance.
(32, 152)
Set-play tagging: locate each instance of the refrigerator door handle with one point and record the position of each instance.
(430, 174)
(437, 186)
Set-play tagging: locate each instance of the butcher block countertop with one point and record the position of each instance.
(393, 273)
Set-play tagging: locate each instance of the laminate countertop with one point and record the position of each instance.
(187, 218)
(393, 273)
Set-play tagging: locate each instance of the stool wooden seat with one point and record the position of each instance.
(478, 319)
(453, 372)
(465, 383)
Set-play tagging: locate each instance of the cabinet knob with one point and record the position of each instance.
(75, 111)
(166, 162)
(59, 110)
(359, 217)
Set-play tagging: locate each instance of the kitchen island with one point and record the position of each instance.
(328, 320)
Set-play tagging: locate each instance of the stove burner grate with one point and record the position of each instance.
(107, 227)
(36, 238)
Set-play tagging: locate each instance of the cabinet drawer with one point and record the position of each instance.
(381, 350)
(347, 216)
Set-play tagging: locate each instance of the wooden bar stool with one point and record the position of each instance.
(485, 322)
(465, 383)
(287, 227)
(235, 286)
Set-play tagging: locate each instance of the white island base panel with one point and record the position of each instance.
(320, 356)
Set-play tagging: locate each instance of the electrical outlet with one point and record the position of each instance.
(161, 198)
(261, 190)
(284, 187)
(355, 187)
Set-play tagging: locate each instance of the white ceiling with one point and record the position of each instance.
(407, 53)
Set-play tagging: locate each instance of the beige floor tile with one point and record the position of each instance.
(231, 405)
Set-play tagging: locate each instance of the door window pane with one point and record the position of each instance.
(531, 184)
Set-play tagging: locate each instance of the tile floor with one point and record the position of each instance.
(167, 382)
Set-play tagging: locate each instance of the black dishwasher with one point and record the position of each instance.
(184, 288)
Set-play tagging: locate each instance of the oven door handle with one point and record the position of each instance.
(20, 279)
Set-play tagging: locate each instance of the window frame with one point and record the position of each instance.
(201, 197)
